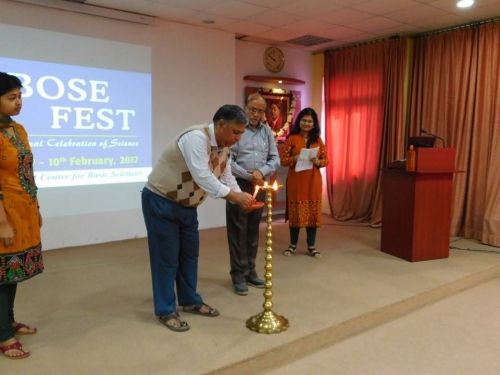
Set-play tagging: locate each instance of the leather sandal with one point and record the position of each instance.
(196, 309)
(14, 346)
(23, 329)
(292, 249)
(167, 320)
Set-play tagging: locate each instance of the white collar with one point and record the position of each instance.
(211, 135)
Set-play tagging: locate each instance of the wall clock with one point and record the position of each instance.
(274, 59)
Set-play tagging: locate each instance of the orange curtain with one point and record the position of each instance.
(364, 114)
(396, 109)
(456, 96)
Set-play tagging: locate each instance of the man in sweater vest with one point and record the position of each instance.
(193, 165)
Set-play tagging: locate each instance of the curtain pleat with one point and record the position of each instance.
(487, 117)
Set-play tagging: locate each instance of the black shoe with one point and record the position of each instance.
(240, 288)
(255, 282)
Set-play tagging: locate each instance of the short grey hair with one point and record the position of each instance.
(255, 96)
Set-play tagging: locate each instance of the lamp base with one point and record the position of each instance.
(267, 322)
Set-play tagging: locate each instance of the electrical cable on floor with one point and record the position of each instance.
(484, 247)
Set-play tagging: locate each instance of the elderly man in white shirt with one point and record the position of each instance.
(194, 164)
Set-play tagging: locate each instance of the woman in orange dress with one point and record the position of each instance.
(303, 188)
(20, 221)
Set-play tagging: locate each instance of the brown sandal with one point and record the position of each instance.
(196, 309)
(179, 325)
(23, 329)
(14, 346)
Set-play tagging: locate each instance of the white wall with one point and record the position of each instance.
(250, 61)
(193, 74)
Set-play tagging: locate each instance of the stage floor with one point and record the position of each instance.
(93, 305)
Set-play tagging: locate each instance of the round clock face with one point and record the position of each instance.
(274, 59)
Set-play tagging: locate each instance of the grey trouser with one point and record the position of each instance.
(243, 236)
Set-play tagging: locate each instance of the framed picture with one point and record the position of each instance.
(282, 108)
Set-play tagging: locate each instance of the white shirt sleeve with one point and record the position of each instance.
(228, 178)
(193, 146)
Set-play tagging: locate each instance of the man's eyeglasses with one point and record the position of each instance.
(256, 110)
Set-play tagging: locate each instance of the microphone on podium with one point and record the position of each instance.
(423, 131)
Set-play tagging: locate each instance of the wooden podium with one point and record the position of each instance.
(416, 206)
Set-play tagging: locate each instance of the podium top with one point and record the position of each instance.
(421, 141)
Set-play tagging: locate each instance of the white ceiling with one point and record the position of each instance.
(344, 21)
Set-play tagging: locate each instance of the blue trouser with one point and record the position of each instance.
(174, 244)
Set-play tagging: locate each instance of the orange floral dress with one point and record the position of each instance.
(304, 188)
(23, 259)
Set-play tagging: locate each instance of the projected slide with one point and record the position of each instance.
(87, 125)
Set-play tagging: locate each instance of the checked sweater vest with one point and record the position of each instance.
(171, 177)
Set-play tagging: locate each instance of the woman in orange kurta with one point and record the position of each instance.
(304, 188)
(20, 221)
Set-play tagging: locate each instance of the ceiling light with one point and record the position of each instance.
(465, 3)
